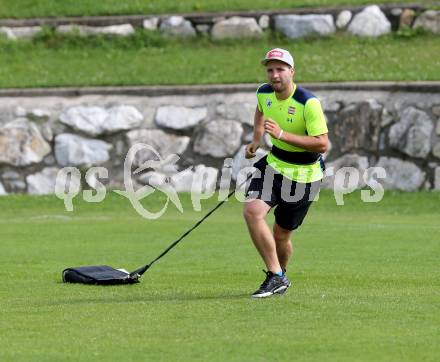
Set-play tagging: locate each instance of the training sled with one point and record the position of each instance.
(106, 275)
(102, 275)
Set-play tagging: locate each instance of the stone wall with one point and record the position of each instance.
(369, 21)
(397, 130)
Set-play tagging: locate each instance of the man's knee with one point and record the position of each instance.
(255, 210)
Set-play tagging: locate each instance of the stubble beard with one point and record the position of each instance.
(278, 87)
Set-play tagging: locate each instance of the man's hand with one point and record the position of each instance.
(272, 128)
(251, 150)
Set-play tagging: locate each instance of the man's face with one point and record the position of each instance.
(279, 75)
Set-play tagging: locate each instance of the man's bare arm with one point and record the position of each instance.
(252, 147)
(309, 143)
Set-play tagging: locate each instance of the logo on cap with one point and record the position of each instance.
(275, 54)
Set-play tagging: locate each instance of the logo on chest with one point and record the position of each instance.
(290, 111)
(268, 103)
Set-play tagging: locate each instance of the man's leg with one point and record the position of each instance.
(283, 245)
(254, 213)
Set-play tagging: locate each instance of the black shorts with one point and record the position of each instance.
(291, 199)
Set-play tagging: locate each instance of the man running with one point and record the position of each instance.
(290, 175)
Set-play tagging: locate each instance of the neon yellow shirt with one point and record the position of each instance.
(300, 114)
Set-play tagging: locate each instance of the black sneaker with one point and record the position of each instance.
(271, 285)
(286, 282)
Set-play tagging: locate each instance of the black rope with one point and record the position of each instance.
(138, 272)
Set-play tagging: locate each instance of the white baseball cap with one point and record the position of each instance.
(278, 54)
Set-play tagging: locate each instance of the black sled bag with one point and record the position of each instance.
(101, 274)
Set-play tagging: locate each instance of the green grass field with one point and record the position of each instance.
(150, 59)
(366, 284)
(30, 8)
